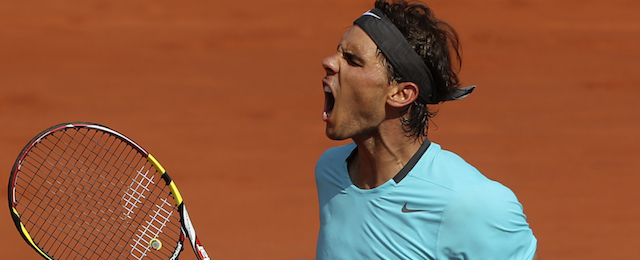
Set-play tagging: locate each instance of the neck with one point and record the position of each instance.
(380, 157)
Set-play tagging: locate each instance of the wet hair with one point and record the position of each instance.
(436, 42)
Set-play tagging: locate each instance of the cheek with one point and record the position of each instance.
(363, 86)
(373, 89)
(372, 80)
(368, 101)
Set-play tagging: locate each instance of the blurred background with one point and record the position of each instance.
(227, 95)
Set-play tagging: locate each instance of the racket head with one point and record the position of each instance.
(84, 191)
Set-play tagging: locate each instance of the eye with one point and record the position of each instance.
(352, 59)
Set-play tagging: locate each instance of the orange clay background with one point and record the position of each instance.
(227, 95)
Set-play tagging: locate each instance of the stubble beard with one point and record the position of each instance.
(361, 129)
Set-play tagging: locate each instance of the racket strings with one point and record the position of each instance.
(90, 170)
(73, 208)
(68, 208)
(53, 205)
(122, 157)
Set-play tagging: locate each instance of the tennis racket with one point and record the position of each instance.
(84, 191)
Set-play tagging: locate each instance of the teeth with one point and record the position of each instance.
(327, 89)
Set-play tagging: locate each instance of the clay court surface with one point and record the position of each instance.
(227, 95)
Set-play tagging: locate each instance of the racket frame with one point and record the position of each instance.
(186, 226)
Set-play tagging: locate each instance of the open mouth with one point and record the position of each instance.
(329, 101)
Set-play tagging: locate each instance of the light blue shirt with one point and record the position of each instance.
(443, 208)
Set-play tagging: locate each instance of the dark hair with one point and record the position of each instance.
(437, 44)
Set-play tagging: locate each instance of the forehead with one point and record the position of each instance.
(358, 41)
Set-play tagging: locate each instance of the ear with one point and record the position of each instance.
(403, 94)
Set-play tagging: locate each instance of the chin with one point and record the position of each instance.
(335, 136)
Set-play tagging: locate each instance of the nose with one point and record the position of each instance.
(330, 64)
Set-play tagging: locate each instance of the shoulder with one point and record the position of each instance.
(331, 171)
(336, 153)
(474, 197)
(486, 220)
(444, 160)
(489, 200)
(481, 218)
(333, 159)
(446, 169)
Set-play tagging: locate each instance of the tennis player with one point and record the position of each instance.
(391, 193)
